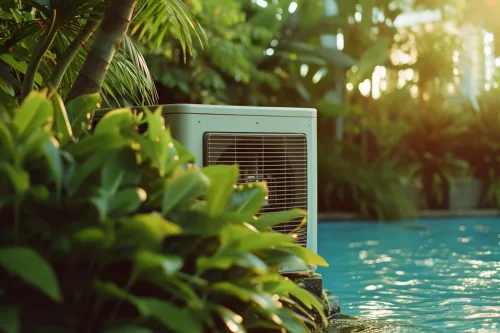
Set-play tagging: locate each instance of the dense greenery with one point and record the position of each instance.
(116, 231)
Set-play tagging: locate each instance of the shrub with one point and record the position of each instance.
(116, 231)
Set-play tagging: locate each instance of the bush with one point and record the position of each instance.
(116, 231)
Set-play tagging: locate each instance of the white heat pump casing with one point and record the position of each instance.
(189, 122)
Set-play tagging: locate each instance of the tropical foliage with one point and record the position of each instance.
(116, 231)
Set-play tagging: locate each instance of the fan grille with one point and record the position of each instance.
(278, 159)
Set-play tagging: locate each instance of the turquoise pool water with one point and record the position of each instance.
(423, 276)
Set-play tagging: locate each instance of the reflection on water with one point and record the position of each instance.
(425, 276)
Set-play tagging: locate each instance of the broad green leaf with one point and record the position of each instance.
(20, 66)
(310, 257)
(127, 329)
(145, 261)
(93, 239)
(18, 178)
(92, 165)
(272, 219)
(32, 268)
(54, 160)
(115, 121)
(6, 138)
(248, 198)
(246, 260)
(232, 320)
(147, 231)
(97, 142)
(222, 179)
(260, 241)
(183, 188)
(32, 147)
(288, 287)
(35, 112)
(290, 321)
(127, 201)
(169, 315)
(9, 319)
(62, 126)
(79, 110)
(245, 294)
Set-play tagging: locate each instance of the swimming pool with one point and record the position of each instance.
(424, 276)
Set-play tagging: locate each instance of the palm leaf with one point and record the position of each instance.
(154, 19)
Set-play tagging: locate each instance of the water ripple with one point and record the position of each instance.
(443, 279)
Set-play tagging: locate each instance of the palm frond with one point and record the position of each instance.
(154, 19)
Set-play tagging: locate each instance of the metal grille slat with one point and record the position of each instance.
(280, 160)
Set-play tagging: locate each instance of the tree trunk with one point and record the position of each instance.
(114, 26)
(71, 52)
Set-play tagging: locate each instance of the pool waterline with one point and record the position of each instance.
(433, 275)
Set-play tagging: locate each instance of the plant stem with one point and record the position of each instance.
(71, 52)
(114, 26)
(41, 48)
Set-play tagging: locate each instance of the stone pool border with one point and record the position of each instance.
(424, 214)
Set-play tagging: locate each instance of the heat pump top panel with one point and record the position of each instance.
(228, 110)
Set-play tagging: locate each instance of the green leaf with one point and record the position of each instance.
(32, 268)
(126, 201)
(54, 160)
(18, 178)
(145, 261)
(179, 320)
(92, 165)
(115, 121)
(97, 142)
(62, 126)
(79, 110)
(222, 179)
(35, 111)
(248, 198)
(20, 66)
(183, 188)
(310, 257)
(272, 219)
(127, 329)
(232, 320)
(147, 231)
(9, 319)
(246, 294)
(92, 239)
(261, 241)
(290, 321)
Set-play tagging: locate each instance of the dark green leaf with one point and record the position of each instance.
(145, 261)
(222, 179)
(97, 142)
(54, 160)
(32, 268)
(115, 121)
(126, 201)
(232, 320)
(127, 329)
(35, 112)
(183, 188)
(272, 219)
(9, 319)
(180, 320)
(248, 198)
(79, 110)
(147, 231)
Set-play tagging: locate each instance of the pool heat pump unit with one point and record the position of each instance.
(275, 145)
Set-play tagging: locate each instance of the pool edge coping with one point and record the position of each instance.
(424, 214)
